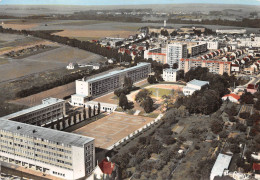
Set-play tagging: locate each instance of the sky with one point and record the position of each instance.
(125, 2)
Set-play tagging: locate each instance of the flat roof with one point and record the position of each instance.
(116, 72)
(45, 103)
(220, 165)
(197, 82)
(44, 133)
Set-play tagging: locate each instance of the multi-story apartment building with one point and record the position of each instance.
(47, 151)
(214, 66)
(101, 85)
(175, 52)
(50, 110)
(197, 49)
(158, 54)
(170, 75)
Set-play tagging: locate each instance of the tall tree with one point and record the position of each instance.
(123, 102)
(89, 112)
(99, 108)
(147, 104)
(94, 110)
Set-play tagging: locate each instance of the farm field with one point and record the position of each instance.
(94, 34)
(52, 59)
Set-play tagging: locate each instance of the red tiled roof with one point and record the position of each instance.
(235, 96)
(256, 166)
(252, 86)
(106, 167)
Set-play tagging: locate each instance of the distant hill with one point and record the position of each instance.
(23, 10)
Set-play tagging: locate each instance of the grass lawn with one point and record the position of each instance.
(160, 92)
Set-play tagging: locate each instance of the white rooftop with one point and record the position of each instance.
(45, 103)
(116, 72)
(220, 165)
(44, 133)
(197, 82)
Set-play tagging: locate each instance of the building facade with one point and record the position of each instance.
(214, 66)
(197, 49)
(170, 75)
(46, 151)
(101, 85)
(50, 110)
(158, 54)
(175, 52)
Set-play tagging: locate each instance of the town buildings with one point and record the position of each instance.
(196, 49)
(231, 31)
(194, 85)
(170, 75)
(47, 151)
(175, 52)
(214, 66)
(100, 85)
(157, 54)
(231, 97)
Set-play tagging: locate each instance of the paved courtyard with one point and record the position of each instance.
(112, 128)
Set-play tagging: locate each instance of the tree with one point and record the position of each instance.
(216, 126)
(128, 83)
(244, 115)
(175, 66)
(147, 104)
(99, 108)
(234, 148)
(166, 66)
(169, 140)
(94, 110)
(223, 134)
(75, 118)
(118, 92)
(151, 79)
(257, 105)
(89, 112)
(232, 119)
(241, 127)
(247, 98)
(123, 102)
(141, 95)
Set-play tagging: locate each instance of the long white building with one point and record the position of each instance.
(104, 84)
(47, 151)
(50, 110)
(194, 85)
(175, 52)
(221, 164)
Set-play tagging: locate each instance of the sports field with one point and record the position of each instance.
(112, 128)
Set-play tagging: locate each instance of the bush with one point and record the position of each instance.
(133, 150)
(223, 134)
(197, 147)
(216, 126)
(232, 119)
(169, 140)
(244, 115)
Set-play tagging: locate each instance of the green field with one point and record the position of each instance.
(160, 92)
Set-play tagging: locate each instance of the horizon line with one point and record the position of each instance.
(121, 4)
